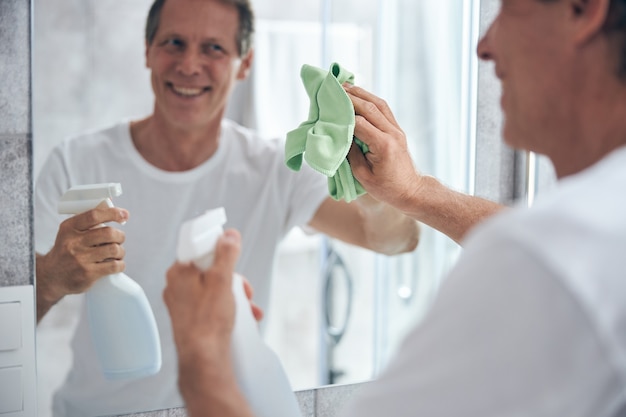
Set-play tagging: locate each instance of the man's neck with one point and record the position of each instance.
(600, 129)
(174, 148)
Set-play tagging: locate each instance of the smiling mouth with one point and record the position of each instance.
(188, 91)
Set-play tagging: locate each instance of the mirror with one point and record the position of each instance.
(89, 72)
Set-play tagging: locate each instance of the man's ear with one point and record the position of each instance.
(589, 17)
(147, 47)
(246, 64)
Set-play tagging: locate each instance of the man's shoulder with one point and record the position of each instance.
(582, 203)
(579, 226)
(97, 137)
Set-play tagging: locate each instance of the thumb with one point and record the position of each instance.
(357, 162)
(227, 251)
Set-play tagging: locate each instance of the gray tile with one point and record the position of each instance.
(16, 256)
(306, 400)
(159, 413)
(15, 66)
(320, 402)
(177, 412)
(331, 399)
(494, 178)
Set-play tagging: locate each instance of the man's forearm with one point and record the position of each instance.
(449, 211)
(209, 388)
(388, 230)
(367, 223)
(46, 297)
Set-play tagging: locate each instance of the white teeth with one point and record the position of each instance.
(187, 91)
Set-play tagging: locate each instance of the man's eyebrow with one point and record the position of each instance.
(170, 35)
(213, 39)
(173, 34)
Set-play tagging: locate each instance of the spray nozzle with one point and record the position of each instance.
(197, 237)
(81, 198)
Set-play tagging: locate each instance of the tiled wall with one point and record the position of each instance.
(500, 171)
(17, 319)
(16, 256)
(321, 402)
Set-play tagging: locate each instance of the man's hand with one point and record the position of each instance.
(202, 309)
(201, 303)
(84, 251)
(388, 174)
(386, 171)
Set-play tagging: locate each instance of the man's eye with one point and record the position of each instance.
(213, 48)
(175, 43)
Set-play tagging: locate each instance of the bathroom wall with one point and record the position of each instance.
(16, 256)
(498, 168)
(17, 318)
(502, 174)
(500, 171)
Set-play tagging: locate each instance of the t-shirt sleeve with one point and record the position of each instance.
(51, 183)
(503, 338)
(307, 192)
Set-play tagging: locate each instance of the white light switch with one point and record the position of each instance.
(18, 375)
(10, 326)
(11, 395)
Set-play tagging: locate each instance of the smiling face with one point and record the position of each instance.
(195, 62)
(529, 46)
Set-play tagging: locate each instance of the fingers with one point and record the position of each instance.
(180, 279)
(376, 126)
(107, 253)
(99, 215)
(358, 163)
(257, 312)
(100, 244)
(227, 252)
(178, 270)
(247, 287)
(86, 234)
(109, 266)
(102, 236)
(85, 250)
(201, 303)
(372, 107)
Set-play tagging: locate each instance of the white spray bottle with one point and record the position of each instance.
(122, 324)
(259, 373)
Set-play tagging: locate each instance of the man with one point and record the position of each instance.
(532, 319)
(174, 165)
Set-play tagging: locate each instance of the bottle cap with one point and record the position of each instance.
(198, 236)
(81, 198)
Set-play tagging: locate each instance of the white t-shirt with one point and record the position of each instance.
(532, 319)
(263, 199)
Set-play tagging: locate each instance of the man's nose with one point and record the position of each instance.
(190, 63)
(484, 45)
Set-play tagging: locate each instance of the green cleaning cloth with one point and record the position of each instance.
(325, 138)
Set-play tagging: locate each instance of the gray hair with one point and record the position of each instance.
(245, 32)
